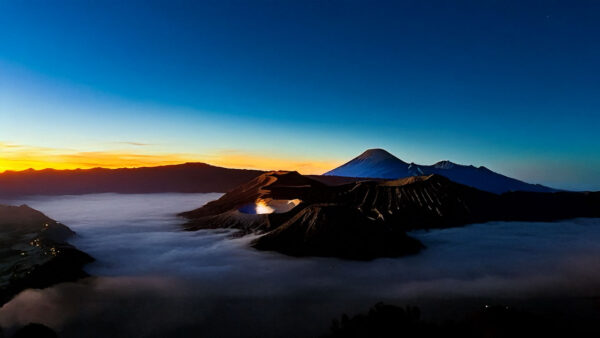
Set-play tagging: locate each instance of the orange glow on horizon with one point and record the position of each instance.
(262, 207)
(235, 159)
(19, 157)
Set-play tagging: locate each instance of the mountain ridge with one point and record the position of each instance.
(368, 219)
(189, 177)
(379, 163)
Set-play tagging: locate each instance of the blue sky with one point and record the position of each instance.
(512, 85)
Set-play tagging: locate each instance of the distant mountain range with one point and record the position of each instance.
(378, 163)
(186, 178)
(202, 177)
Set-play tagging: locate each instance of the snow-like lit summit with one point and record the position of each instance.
(374, 163)
(445, 164)
(376, 154)
(379, 163)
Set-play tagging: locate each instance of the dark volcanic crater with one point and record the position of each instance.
(369, 219)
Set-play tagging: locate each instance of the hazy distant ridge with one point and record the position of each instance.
(188, 177)
(378, 163)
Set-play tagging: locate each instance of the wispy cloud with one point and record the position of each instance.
(137, 144)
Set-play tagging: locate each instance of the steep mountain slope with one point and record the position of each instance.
(481, 178)
(314, 226)
(373, 163)
(378, 163)
(288, 184)
(336, 230)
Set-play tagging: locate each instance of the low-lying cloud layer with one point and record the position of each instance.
(156, 280)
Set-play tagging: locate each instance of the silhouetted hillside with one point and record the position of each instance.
(188, 177)
(34, 252)
(496, 321)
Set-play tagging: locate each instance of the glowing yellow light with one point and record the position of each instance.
(263, 208)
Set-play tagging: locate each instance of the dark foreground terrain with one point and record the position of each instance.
(34, 252)
(491, 321)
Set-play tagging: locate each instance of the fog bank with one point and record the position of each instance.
(154, 279)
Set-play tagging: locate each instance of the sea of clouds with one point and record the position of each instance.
(152, 279)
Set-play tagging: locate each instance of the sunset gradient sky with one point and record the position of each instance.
(305, 85)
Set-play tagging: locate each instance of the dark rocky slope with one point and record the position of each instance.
(368, 219)
(336, 230)
(313, 227)
(34, 252)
